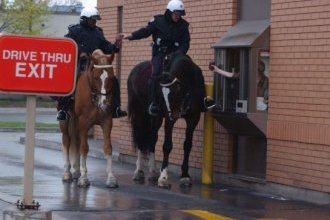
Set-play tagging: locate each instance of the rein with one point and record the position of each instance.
(166, 91)
(101, 67)
(96, 94)
(170, 83)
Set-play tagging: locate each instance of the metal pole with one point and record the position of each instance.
(29, 149)
(207, 166)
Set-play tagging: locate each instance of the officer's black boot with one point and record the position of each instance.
(117, 112)
(64, 104)
(154, 107)
(208, 103)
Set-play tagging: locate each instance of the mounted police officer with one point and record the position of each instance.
(170, 33)
(89, 37)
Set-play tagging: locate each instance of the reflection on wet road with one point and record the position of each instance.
(131, 200)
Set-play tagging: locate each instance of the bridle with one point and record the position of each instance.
(165, 87)
(97, 95)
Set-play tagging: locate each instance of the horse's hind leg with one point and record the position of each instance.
(67, 176)
(138, 175)
(153, 174)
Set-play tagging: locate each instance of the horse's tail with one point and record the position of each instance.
(137, 89)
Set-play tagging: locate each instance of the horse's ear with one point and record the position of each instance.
(111, 57)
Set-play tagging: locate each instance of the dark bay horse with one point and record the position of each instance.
(181, 93)
(92, 105)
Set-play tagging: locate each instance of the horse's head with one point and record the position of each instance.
(173, 84)
(100, 78)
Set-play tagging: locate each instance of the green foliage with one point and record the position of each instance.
(25, 16)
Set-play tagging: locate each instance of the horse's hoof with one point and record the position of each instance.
(67, 177)
(163, 183)
(165, 186)
(185, 182)
(67, 180)
(76, 175)
(138, 176)
(153, 176)
(112, 185)
(112, 182)
(83, 182)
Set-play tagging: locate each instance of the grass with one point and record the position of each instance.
(19, 125)
(41, 103)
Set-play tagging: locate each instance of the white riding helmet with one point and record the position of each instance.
(176, 5)
(90, 12)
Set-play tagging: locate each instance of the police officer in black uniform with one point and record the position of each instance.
(170, 33)
(89, 37)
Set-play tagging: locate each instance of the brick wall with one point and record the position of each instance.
(299, 117)
(298, 136)
(208, 20)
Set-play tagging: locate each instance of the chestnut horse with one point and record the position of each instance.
(92, 106)
(181, 91)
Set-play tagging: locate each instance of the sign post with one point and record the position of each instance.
(36, 66)
(29, 150)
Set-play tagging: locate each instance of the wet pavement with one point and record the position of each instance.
(131, 200)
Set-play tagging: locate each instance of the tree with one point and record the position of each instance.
(24, 16)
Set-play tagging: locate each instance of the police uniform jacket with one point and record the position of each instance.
(89, 39)
(167, 36)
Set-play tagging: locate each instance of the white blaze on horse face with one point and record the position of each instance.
(166, 92)
(103, 78)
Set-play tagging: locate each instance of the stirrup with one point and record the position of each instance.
(61, 115)
(119, 113)
(208, 100)
(155, 108)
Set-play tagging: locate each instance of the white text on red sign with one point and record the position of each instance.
(34, 64)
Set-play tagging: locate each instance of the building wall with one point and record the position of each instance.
(298, 135)
(299, 116)
(208, 21)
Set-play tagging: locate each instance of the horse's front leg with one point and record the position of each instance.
(185, 180)
(163, 180)
(84, 148)
(107, 148)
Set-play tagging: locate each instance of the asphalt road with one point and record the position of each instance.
(131, 200)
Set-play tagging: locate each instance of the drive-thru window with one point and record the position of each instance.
(242, 101)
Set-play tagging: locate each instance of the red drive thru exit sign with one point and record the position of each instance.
(37, 65)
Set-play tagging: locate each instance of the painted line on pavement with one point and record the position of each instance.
(206, 215)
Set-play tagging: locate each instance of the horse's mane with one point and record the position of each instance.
(182, 64)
